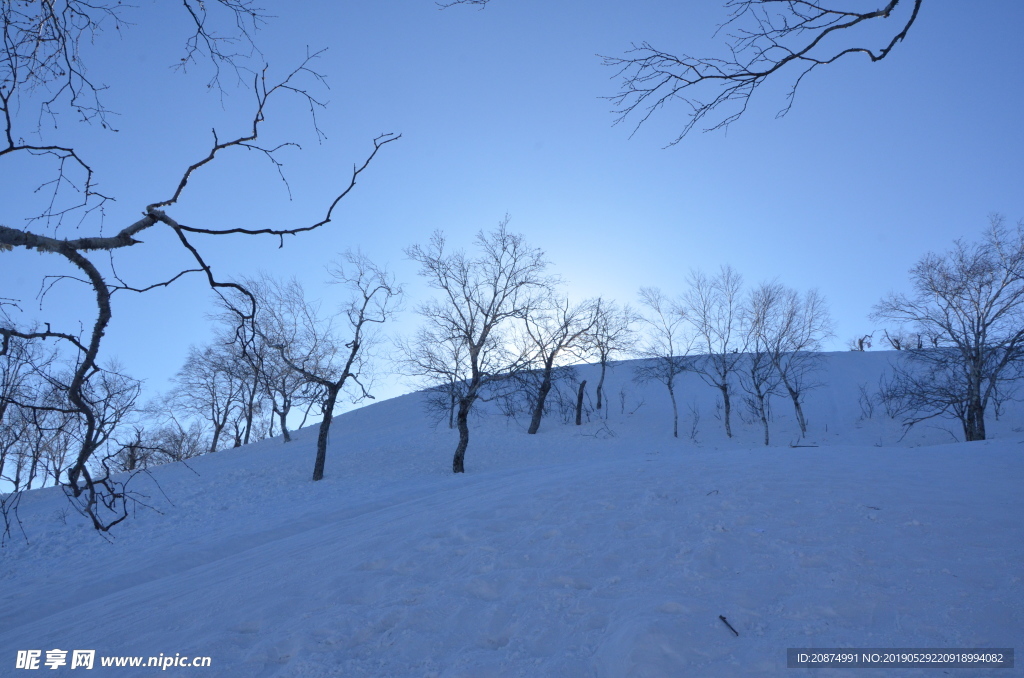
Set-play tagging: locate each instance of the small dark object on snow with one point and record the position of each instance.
(711, 493)
(726, 622)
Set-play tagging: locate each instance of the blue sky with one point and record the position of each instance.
(500, 112)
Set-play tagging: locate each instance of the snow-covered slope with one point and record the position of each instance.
(609, 549)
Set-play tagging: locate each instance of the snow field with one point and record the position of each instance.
(569, 553)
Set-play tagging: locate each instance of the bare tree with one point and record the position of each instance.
(970, 302)
(21, 385)
(311, 342)
(171, 442)
(206, 388)
(465, 343)
(901, 340)
(160, 436)
(759, 377)
(246, 369)
(35, 443)
(178, 441)
(554, 329)
(664, 345)
(133, 454)
(286, 389)
(861, 343)
(43, 67)
(612, 334)
(265, 378)
(791, 332)
(714, 308)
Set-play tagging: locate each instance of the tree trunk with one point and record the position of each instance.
(283, 415)
(579, 403)
(763, 413)
(458, 463)
(794, 395)
(451, 408)
(33, 469)
(600, 386)
(249, 415)
(727, 405)
(325, 429)
(216, 437)
(974, 421)
(675, 410)
(542, 396)
(974, 415)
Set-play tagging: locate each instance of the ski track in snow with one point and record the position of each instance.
(564, 554)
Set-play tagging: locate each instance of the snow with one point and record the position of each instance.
(609, 549)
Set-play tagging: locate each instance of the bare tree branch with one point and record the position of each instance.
(88, 479)
(767, 37)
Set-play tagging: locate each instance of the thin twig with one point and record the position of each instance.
(726, 622)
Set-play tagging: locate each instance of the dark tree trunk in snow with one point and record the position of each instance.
(458, 463)
(33, 470)
(579, 403)
(675, 410)
(325, 429)
(283, 415)
(794, 395)
(249, 415)
(217, 429)
(542, 396)
(727, 405)
(600, 386)
(974, 422)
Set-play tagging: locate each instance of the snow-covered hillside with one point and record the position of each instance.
(609, 549)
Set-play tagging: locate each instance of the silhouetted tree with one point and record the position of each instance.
(207, 388)
(714, 308)
(970, 303)
(554, 329)
(465, 343)
(791, 332)
(759, 378)
(860, 343)
(44, 76)
(664, 345)
(312, 343)
(613, 334)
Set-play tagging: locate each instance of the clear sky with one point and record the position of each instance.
(500, 112)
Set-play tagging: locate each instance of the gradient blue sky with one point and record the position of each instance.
(500, 111)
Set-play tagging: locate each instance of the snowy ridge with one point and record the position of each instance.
(608, 549)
